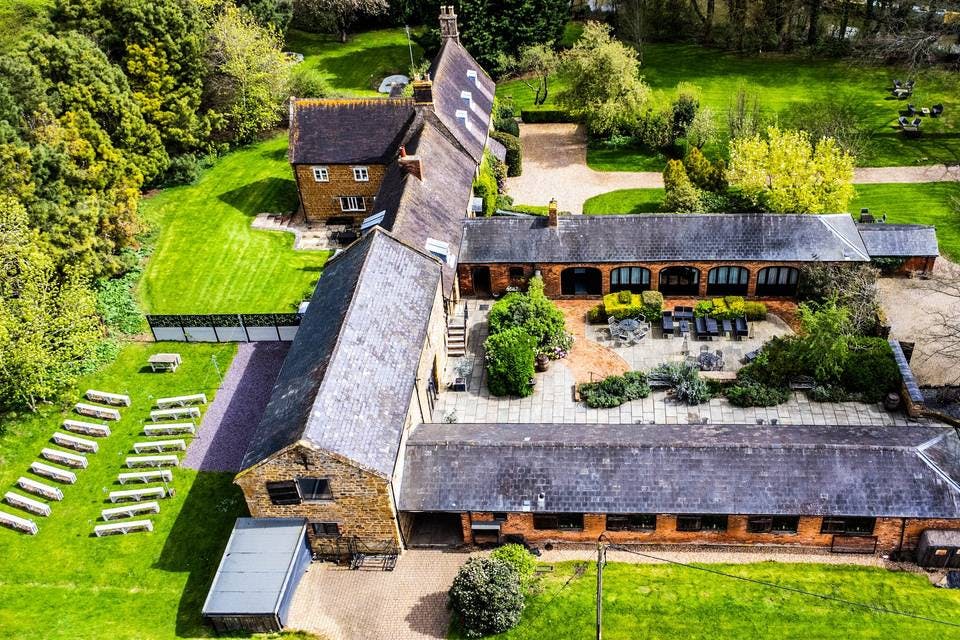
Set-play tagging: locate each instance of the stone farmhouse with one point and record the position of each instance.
(350, 439)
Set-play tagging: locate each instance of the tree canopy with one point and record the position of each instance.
(491, 28)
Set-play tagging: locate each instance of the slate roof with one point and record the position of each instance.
(450, 80)
(346, 384)
(899, 240)
(435, 205)
(788, 470)
(364, 131)
(775, 237)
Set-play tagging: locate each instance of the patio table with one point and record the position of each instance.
(684, 327)
(629, 324)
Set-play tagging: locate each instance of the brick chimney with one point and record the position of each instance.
(423, 91)
(552, 216)
(411, 164)
(448, 24)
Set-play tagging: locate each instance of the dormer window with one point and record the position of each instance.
(439, 249)
(321, 174)
(461, 115)
(472, 75)
(360, 174)
(467, 97)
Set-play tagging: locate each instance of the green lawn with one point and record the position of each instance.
(64, 583)
(780, 81)
(208, 259)
(936, 203)
(668, 602)
(357, 67)
(624, 201)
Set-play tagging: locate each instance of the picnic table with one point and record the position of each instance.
(164, 362)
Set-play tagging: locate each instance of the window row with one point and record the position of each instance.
(689, 523)
(322, 174)
(300, 490)
(727, 280)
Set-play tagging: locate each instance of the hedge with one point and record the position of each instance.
(507, 125)
(535, 116)
(514, 158)
(648, 303)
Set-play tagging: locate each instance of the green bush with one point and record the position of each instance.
(726, 308)
(754, 394)
(624, 297)
(828, 393)
(613, 391)
(654, 130)
(703, 173)
(529, 209)
(485, 185)
(507, 125)
(703, 308)
(510, 360)
(535, 314)
(685, 381)
(522, 561)
(870, 369)
(514, 158)
(755, 310)
(652, 304)
(624, 304)
(679, 193)
(597, 314)
(535, 116)
(486, 597)
(116, 304)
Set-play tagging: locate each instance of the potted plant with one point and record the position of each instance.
(542, 362)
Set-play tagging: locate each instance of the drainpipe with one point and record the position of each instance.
(903, 526)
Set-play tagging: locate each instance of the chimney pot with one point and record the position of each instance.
(552, 215)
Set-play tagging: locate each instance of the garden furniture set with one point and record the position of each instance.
(705, 328)
(903, 90)
(628, 330)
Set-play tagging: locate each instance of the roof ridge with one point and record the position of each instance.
(350, 102)
(827, 219)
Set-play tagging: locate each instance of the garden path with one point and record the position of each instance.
(555, 166)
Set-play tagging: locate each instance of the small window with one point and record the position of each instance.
(773, 524)
(631, 522)
(325, 529)
(352, 203)
(516, 274)
(314, 489)
(321, 174)
(701, 523)
(500, 516)
(439, 249)
(848, 526)
(283, 492)
(360, 174)
(559, 521)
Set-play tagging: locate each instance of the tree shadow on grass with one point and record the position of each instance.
(196, 543)
(272, 195)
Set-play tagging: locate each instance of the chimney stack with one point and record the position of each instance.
(552, 216)
(448, 24)
(423, 91)
(411, 164)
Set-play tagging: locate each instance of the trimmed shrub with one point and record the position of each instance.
(624, 297)
(620, 310)
(535, 116)
(755, 310)
(514, 158)
(486, 597)
(535, 314)
(652, 304)
(726, 308)
(613, 391)
(685, 381)
(703, 173)
(510, 358)
(507, 125)
(522, 561)
(597, 314)
(754, 394)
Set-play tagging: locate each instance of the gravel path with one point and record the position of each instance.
(555, 166)
(233, 416)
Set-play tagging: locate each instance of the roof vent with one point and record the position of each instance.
(472, 75)
(541, 500)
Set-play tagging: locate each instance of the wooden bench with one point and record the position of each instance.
(130, 510)
(94, 411)
(161, 475)
(160, 445)
(75, 443)
(123, 528)
(54, 473)
(152, 461)
(164, 362)
(169, 429)
(87, 428)
(136, 495)
(40, 489)
(182, 401)
(27, 504)
(65, 458)
(103, 397)
(174, 413)
(20, 524)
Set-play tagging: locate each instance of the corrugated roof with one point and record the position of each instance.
(666, 237)
(256, 566)
(366, 131)
(790, 470)
(899, 240)
(346, 384)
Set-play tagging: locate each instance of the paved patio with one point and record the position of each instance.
(552, 399)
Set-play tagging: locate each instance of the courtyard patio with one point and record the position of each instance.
(595, 356)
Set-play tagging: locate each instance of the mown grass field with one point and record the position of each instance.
(780, 81)
(207, 257)
(657, 602)
(66, 584)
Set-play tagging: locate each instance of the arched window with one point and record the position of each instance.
(679, 281)
(777, 281)
(727, 281)
(633, 279)
(581, 281)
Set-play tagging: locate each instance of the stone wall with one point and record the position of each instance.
(321, 200)
(887, 531)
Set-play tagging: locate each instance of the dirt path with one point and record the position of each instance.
(555, 166)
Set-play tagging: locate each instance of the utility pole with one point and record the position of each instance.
(601, 562)
(216, 365)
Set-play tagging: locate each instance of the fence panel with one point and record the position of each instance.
(226, 327)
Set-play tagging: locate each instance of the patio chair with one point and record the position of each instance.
(909, 85)
(903, 121)
(712, 329)
(911, 110)
(936, 110)
(897, 84)
(917, 122)
(741, 328)
(666, 323)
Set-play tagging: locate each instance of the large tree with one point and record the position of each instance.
(785, 172)
(338, 14)
(490, 28)
(533, 66)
